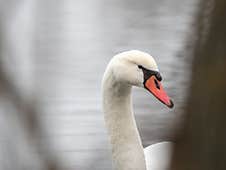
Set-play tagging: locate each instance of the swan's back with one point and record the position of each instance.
(158, 156)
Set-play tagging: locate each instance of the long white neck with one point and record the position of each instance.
(127, 150)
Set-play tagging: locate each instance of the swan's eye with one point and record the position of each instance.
(139, 66)
(157, 84)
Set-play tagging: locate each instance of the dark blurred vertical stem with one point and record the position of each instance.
(25, 107)
(28, 115)
(202, 145)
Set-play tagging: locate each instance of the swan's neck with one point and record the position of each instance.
(127, 150)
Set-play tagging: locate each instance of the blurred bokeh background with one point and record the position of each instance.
(53, 55)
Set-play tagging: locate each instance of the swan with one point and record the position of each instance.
(127, 69)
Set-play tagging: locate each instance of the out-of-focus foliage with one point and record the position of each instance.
(202, 145)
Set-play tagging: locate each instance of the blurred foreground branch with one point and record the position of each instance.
(28, 114)
(202, 145)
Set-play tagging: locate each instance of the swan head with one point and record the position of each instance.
(139, 69)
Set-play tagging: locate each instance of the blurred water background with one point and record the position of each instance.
(55, 52)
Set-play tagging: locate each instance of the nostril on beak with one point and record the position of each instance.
(157, 84)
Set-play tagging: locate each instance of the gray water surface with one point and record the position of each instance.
(62, 49)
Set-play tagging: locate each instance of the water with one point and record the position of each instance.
(62, 59)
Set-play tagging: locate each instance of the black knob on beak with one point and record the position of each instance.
(158, 76)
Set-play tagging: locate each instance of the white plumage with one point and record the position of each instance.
(158, 156)
(127, 152)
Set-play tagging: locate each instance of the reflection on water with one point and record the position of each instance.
(65, 54)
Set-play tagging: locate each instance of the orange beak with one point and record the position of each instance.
(155, 87)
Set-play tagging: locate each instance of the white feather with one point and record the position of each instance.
(127, 152)
(158, 156)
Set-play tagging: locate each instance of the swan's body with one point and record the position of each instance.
(158, 156)
(121, 74)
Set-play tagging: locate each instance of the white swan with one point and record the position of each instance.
(127, 69)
